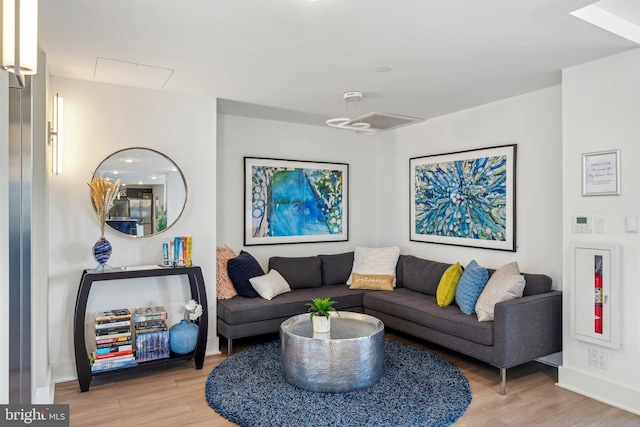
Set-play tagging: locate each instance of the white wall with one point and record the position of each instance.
(533, 122)
(4, 236)
(42, 387)
(100, 119)
(241, 136)
(601, 101)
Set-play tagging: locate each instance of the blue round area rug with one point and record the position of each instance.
(418, 388)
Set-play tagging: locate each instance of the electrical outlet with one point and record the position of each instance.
(603, 360)
(598, 358)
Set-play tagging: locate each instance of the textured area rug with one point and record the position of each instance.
(418, 388)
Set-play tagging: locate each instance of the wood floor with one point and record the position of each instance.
(174, 396)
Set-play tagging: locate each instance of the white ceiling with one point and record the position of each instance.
(293, 59)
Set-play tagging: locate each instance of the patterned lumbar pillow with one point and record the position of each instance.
(376, 282)
(224, 287)
(375, 261)
(241, 269)
(506, 283)
(270, 285)
(470, 286)
(446, 292)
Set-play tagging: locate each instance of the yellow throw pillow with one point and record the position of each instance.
(376, 282)
(446, 292)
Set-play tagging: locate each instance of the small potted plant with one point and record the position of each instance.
(320, 310)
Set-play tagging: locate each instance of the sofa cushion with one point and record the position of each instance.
(423, 310)
(473, 280)
(376, 282)
(505, 284)
(224, 287)
(446, 292)
(240, 310)
(399, 271)
(336, 268)
(241, 269)
(422, 275)
(536, 284)
(382, 260)
(270, 285)
(300, 273)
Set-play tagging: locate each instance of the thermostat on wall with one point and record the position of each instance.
(582, 224)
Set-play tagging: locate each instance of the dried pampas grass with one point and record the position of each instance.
(103, 193)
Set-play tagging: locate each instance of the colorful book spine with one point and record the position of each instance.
(112, 315)
(165, 255)
(112, 325)
(109, 364)
(152, 346)
(146, 314)
(176, 248)
(113, 332)
(114, 346)
(102, 356)
(189, 247)
(112, 340)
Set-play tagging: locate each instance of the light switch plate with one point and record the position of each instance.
(631, 224)
(599, 224)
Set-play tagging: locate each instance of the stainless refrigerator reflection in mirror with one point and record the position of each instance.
(153, 191)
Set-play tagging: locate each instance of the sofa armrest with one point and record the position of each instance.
(527, 328)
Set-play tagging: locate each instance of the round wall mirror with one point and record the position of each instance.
(153, 191)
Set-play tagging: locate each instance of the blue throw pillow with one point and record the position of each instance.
(241, 269)
(473, 280)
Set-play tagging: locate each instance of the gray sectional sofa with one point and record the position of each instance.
(523, 329)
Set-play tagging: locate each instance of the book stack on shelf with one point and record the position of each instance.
(177, 253)
(152, 335)
(114, 345)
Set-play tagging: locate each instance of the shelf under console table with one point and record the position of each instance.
(198, 293)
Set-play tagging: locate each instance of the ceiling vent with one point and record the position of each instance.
(371, 123)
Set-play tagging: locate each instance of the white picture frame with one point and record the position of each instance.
(601, 173)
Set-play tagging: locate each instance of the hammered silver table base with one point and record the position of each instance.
(350, 357)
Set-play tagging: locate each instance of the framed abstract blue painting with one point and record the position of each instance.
(295, 201)
(466, 198)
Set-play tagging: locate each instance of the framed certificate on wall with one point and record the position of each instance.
(601, 173)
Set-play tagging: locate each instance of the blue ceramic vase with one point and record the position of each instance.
(102, 252)
(183, 337)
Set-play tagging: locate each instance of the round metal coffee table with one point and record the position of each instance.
(350, 357)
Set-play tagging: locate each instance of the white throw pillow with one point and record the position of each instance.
(505, 283)
(270, 285)
(375, 261)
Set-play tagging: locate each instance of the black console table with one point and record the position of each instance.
(198, 293)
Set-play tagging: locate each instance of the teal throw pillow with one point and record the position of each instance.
(472, 282)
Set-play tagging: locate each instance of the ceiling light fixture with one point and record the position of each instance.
(20, 36)
(346, 122)
(370, 123)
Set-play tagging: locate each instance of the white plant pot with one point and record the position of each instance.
(321, 324)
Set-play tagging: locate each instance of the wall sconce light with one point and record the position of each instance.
(55, 135)
(20, 36)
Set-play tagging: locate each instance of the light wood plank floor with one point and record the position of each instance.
(174, 396)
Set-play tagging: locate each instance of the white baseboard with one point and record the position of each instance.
(44, 395)
(213, 346)
(64, 371)
(598, 388)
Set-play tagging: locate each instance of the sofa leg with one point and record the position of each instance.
(503, 381)
(229, 347)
